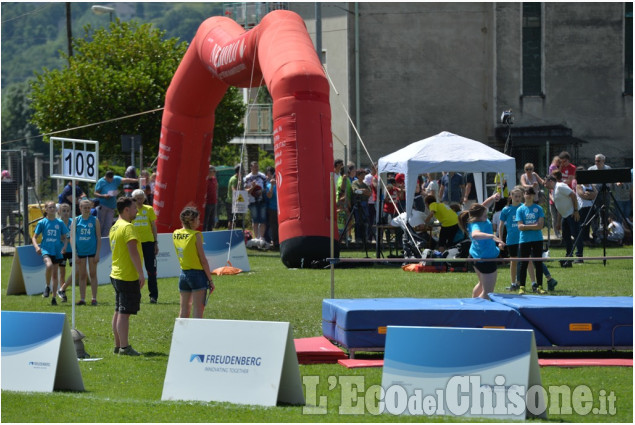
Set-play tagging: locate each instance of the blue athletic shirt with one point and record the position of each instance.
(69, 247)
(482, 248)
(530, 215)
(508, 216)
(86, 238)
(51, 231)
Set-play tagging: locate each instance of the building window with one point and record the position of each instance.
(628, 49)
(532, 49)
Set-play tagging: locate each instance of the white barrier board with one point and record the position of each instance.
(242, 362)
(28, 270)
(38, 353)
(462, 372)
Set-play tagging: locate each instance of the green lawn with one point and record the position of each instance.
(129, 389)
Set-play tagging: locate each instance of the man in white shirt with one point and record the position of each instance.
(566, 203)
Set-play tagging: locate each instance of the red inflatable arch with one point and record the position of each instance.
(223, 54)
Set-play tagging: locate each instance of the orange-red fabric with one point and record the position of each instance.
(278, 52)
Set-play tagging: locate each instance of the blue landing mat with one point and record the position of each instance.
(576, 321)
(357, 323)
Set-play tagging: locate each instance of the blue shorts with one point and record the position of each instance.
(258, 212)
(193, 280)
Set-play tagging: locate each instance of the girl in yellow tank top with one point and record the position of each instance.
(196, 276)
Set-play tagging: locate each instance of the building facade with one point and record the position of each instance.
(406, 71)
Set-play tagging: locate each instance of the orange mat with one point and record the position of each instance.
(317, 350)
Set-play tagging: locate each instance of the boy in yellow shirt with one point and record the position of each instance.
(126, 275)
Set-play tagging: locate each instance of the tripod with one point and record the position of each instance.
(358, 212)
(601, 212)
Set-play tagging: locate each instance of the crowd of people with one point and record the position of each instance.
(448, 199)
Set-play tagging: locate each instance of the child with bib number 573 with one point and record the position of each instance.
(54, 241)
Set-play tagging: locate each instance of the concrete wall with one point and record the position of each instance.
(583, 83)
(432, 67)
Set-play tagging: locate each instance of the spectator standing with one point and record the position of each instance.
(54, 242)
(195, 277)
(433, 186)
(272, 206)
(107, 191)
(146, 228)
(531, 179)
(144, 184)
(255, 183)
(233, 186)
(126, 275)
(623, 193)
(370, 180)
(361, 195)
(131, 173)
(66, 197)
(9, 197)
(469, 197)
(567, 205)
(586, 194)
(603, 197)
(567, 168)
(451, 188)
(211, 200)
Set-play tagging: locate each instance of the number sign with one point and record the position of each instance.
(79, 164)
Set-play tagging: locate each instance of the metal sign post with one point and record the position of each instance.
(80, 162)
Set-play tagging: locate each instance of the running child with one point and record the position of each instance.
(485, 245)
(196, 276)
(54, 242)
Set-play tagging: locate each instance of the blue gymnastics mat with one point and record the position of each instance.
(576, 321)
(359, 324)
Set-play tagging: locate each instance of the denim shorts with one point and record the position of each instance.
(193, 280)
(258, 212)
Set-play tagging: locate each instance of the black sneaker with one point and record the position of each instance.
(62, 295)
(116, 350)
(93, 302)
(551, 284)
(153, 300)
(565, 264)
(47, 292)
(53, 301)
(80, 302)
(128, 351)
(513, 287)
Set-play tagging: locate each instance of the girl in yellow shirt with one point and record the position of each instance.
(196, 276)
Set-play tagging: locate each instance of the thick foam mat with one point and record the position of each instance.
(360, 363)
(576, 321)
(361, 323)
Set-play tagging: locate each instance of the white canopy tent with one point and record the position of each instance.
(447, 152)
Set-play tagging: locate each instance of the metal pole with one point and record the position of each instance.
(318, 30)
(25, 195)
(332, 235)
(72, 244)
(357, 95)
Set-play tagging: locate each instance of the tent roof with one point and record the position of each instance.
(446, 152)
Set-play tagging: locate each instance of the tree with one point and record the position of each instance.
(16, 113)
(114, 73)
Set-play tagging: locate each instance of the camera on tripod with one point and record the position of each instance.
(507, 117)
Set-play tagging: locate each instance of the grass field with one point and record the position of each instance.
(129, 389)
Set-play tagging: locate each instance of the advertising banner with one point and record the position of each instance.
(38, 353)
(242, 362)
(471, 372)
(28, 270)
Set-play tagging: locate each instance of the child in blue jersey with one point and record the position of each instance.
(87, 246)
(64, 213)
(508, 222)
(54, 242)
(531, 219)
(485, 245)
